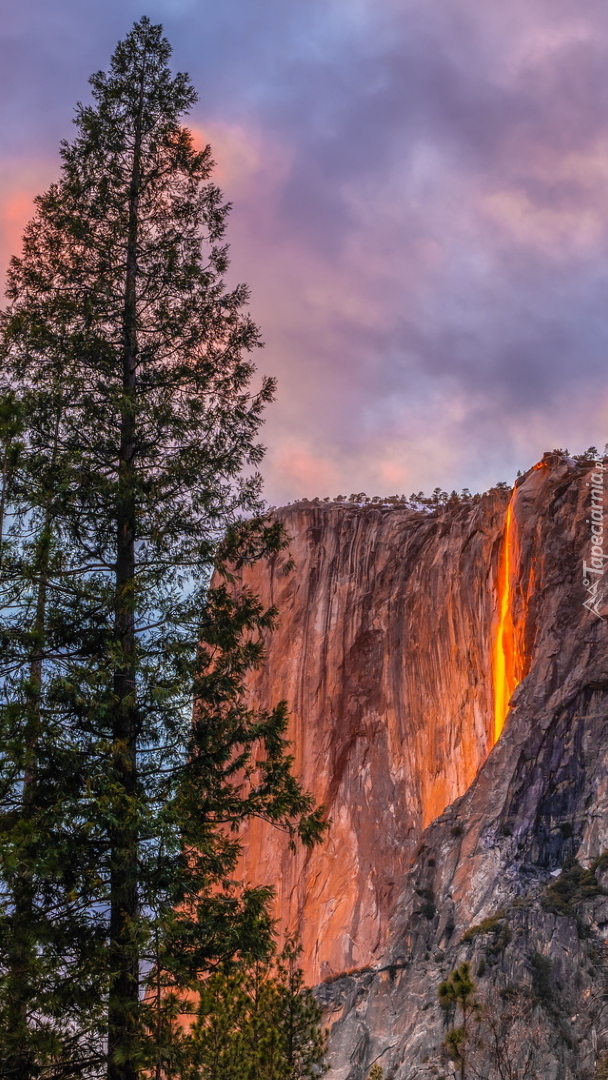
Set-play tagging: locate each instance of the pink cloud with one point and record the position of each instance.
(420, 211)
(21, 181)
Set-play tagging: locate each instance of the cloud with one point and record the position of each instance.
(21, 179)
(420, 209)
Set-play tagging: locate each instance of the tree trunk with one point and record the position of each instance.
(123, 1004)
(464, 1041)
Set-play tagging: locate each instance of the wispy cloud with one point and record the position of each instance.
(420, 208)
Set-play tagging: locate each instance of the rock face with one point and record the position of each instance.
(442, 848)
(382, 653)
(498, 879)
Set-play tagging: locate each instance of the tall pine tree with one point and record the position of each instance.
(125, 359)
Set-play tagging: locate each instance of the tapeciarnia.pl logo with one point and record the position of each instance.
(593, 570)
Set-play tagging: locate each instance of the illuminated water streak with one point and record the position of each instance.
(504, 657)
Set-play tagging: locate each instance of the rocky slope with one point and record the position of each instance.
(387, 654)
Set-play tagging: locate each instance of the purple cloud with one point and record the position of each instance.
(420, 209)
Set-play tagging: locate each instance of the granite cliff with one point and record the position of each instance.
(403, 636)
(382, 651)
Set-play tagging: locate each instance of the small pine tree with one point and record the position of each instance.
(256, 1023)
(375, 1073)
(457, 992)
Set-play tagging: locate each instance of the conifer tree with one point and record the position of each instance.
(257, 1023)
(127, 360)
(457, 992)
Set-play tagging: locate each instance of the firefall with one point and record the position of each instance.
(504, 654)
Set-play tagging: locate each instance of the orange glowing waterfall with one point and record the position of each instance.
(504, 658)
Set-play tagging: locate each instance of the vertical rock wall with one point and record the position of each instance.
(383, 653)
(513, 876)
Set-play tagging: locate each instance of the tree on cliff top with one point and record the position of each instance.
(126, 360)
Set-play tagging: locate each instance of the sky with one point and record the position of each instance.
(420, 209)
